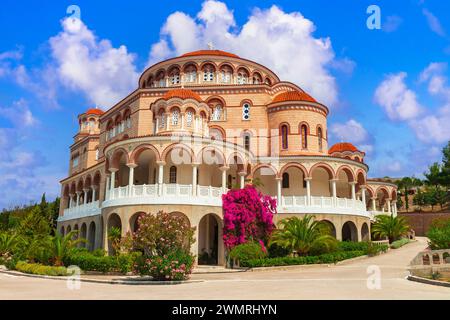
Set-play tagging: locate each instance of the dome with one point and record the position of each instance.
(210, 53)
(342, 147)
(95, 111)
(182, 94)
(293, 96)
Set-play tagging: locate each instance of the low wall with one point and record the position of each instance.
(420, 221)
(430, 261)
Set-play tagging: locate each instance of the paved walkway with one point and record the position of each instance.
(346, 281)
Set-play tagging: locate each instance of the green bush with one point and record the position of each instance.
(176, 265)
(87, 261)
(36, 268)
(276, 251)
(439, 234)
(352, 246)
(247, 251)
(399, 243)
(286, 261)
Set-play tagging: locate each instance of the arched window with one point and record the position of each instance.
(175, 117)
(284, 136)
(191, 74)
(162, 119)
(257, 78)
(189, 118)
(319, 137)
(217, 113)
(173, 174)
(247, 142)
(208, 73)
(242, 77)
(285, 181)
(175, 77)
(304, 132)
(246, 111)
(225, 74)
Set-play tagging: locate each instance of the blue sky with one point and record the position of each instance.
(387, 89)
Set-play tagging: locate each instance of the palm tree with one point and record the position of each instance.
(60, 245)
(115, 236)
(302, 235)
(390, 227)
(8, 243)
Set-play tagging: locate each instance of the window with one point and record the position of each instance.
(128, 122)
(75, 161)
(319, 137)
(225, 75)
(173, 174)
(242, 78)
(304, 133)
(162, 83)
(189, 118)
(285, 181)
(191, 74)
(217, 113)
(247, 142)
(208, 74)
(175, 117)
(162, 120)
(284, 136)
(246, 111)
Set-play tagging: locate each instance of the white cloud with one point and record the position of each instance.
(19, 114)
(399, 102)
(352, 131)
(282, 41)
(434, 23)
(104, 74)
(392, 23)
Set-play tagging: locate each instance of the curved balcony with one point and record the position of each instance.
(81, 211)
(320, 205)
(164, 194)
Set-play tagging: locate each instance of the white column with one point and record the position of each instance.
(242, 179)
(308, 191)
(363, 195)
(353, 184)
(113, 178)
(333, 190)
(389, 206)
(182, 121)
(194, 179)
(85, 196)
(94, 191)
(70, 200)
(279, 182)
(374, 204)
(160, 176)
(224, 178)
(78, 198)
(131, 179)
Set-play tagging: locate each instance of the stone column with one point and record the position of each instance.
(389, 206)
(113, 178)
(160, 176)
(242, 179)
(333, 191)
(194, 179)
(224, 178)
(71, 200)
(85, 196)
(308, 191)
(279, 182)
(94, 192)
(363, 195)
(374, 204)
(131, 167)
(394, 207)
(353, 184)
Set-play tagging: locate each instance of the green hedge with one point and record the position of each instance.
(399, 243)
(286, 261)
(36, 268)
(88, 262)
(353, 246)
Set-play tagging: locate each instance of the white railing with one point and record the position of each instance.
(80, 211)
(299, 204)
(165, 194)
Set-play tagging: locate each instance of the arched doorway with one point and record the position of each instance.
(134, 221)
(330, 226)
(91, 236)
(113, 222)
(349, 232)
(365, 234)
(209, 236)
(83, 234)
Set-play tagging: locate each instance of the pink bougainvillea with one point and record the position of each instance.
(248, 216)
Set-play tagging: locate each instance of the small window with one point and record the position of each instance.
(284, 137)
(75, 161)
(208, 74)
(175, 117)
(217, 113)
(304, 132)
(173, 174)
(189, 118)
(225, 76)
(247, 142)
(285, 181)
(319, 137)
(246, 111)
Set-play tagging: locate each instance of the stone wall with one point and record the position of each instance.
(420, 221)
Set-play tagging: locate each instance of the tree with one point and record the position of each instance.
(445, 173)
(303, 235)
(419, 199)
(59, 246)
(390, 227)
(247, 216)
(115, 237)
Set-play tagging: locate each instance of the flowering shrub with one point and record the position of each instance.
(248, 216)
(164, 241)
(175, 265)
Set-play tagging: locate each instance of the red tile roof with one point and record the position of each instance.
(210, 53)
(95, 111)
(293, 96)
(182, 94)
(341, 147)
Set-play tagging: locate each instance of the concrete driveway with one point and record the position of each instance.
(346, 281)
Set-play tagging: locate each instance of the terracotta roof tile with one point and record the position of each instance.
(182, 94)
(293, 96)
(341, 147)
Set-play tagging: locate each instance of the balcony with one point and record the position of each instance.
(81, 211)
(166, 194)
(318, 205)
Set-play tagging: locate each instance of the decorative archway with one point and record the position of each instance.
(210, 245)
(330, 226)
(365, 234)
(349, 232)
(91, 236)
(114, 221)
